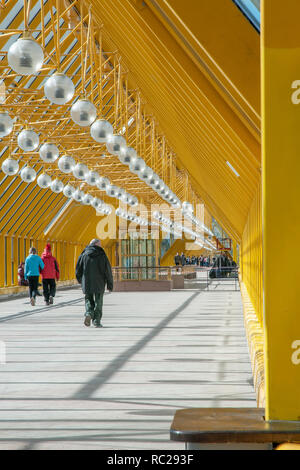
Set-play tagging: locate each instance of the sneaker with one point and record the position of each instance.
(87, 320)
(51, 300)
(47, 302)
(32, 301)
(98, 325)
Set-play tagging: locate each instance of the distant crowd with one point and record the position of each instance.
(183, 260)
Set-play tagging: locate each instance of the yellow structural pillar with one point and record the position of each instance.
(281, 202)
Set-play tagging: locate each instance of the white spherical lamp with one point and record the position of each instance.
(103, 183)
(44, 181)
(126, 198)
(112, 190)
(145, 174)
(187, 208)
(87, 199)
(92, 178)
(115, 144)
(49, 152)
(133, 201)
(10, 167)
(59, 89)
(137, 166)
(96, 203)
(101, 130)
(66, 164)
(152, 180)
(78, 195)
(28, 174)
(28, 140)
(68, 191)
(80, 171)
(120, 192)
(6, 124)
(25, 56)
(57, 186)
(127, 155)
(83, 113)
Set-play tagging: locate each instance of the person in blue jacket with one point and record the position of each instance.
(33, 265)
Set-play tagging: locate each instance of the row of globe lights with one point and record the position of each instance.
(187, 210)
(28, 175)
(172, 226)
(131, 217)
(26, 57)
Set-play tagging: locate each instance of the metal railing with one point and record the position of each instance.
(149, 273)
(205, 277)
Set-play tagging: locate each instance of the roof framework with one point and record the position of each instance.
(133, 60)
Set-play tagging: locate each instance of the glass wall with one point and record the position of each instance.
(138, 256)
(251, 9)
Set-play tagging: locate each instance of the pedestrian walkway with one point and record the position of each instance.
(66, 386)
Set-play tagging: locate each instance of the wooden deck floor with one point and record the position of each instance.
(66, 386)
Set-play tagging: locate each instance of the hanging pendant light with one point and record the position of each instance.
(126, 198)
(49, 152)
(96, 203)
(78, 195)
(115, 144)
(187, 208)
(68, 191)
(28, 174)
(44, 181)
(59, 89)
(28, 140)
(25, 56)
(10, 167)
(66, 164)
(137, 166)
(87, 199)
(133, 201)
(83, 113)
(57, 186)
(92, 178)
(101, 130)
(127, 155)
(145, 174)
(80, 171)
(6, 124)
(111, 190)
(103, 183)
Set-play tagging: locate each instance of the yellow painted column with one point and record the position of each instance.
(281, 202)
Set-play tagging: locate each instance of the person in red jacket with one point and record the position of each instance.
(50, 273)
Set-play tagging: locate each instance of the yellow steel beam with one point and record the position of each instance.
(281, 196)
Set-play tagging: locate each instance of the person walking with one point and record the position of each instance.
(177, 259)
(33, 265)
(93, 272)
(50, 273)
(21, 278)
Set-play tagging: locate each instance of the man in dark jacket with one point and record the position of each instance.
(93, 272)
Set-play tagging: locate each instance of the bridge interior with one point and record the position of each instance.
(160, 127)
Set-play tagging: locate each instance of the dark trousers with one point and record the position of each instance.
(93, 306)
(33, 285)
(49, 288)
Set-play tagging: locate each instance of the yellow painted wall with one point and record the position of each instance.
(251, 255)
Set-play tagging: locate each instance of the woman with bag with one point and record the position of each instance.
(50, 273)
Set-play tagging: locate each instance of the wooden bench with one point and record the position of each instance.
(231, 429)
